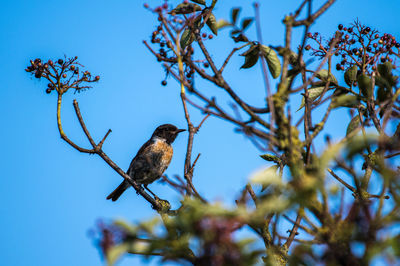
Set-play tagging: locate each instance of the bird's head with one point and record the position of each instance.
(168, 132)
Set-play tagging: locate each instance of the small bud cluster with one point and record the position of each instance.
(357, 45)
(62, 74)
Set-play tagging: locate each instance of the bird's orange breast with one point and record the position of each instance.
(166, 151)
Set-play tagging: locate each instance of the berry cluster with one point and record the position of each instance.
(177, 20)
(61, 74)
(357, 45)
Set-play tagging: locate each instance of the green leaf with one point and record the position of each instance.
(250, 60)
(234, 15)
(358, 143)
(187, 38)
(267, 176)
(251, 56)
(271, 158)
(353, 125)
(274, 65)
(365, 85)
(382, 82)
(323, 75)
(246, 23)
(201, 2)
(385, 69)
(185, 8)
(350, 75)
(270, 204)
(345, 100)
(212, 23)
(125, 226)
(240, 38)
(382, 94)
(328, 155)
(222, 23)
(313, 93)
(115, 252)
(253, 49)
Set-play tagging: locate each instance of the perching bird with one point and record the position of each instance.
(151, 160)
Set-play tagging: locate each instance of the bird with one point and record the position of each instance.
(152, 159)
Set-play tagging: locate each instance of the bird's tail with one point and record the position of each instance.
(118, 191)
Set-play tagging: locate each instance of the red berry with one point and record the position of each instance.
(308, 47)
(164, 82)
(204, 35)
(97, 77)
(210, 36)
(165, 6)
(60, 61)
(48, 90)
(64, 75)
(146, 5)
(340, 26)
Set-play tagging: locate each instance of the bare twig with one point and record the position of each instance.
(293, 232)
(341, 181)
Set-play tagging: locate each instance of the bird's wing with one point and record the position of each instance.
(138, 157)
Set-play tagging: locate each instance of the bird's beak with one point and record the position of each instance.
(180, 130)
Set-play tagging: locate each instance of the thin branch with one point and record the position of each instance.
(293, 232)
(305, 229)
(313, 17)
(234, 50)
(61, 131)
(100, 145)
(264, 69)
(341, 180)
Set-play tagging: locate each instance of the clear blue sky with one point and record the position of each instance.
(51, 194)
